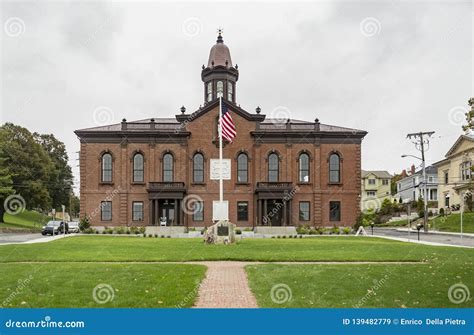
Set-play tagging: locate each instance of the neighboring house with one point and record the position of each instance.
(161, 170)
(454, 172)
(411, 187)
(375, 188)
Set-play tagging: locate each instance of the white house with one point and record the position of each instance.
(411, 187)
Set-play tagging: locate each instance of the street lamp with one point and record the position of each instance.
(425, 198)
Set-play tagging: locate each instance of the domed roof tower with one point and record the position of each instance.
(220, 76)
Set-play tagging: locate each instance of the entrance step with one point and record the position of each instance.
(286, 230)
(172, 230)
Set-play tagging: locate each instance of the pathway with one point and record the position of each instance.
(225, 286)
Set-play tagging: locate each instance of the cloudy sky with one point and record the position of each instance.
(386, 67)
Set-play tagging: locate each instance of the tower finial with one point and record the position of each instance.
(219, 36)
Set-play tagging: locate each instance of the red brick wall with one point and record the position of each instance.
(122, 192)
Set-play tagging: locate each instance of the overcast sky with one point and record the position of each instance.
(388, 68)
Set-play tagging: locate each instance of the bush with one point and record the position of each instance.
(156, 235)
(421, 213)
(335, 230)
(84, 224)
(104, 231)
(284, 236)
(441, 211)
(88, 231)
(238, 232)
(303, 229)
(162, 236)
(346, 230)
(150, 235)
(142, 230)
(128, 232)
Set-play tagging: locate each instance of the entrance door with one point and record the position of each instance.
(167, 212)
(275, 212)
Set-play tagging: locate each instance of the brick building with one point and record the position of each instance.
(283, 172)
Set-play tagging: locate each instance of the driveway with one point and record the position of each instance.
(12, 238)
(447, 239)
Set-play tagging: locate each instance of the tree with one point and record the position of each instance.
(6, 184)
(60, 180)
(469, 117)
(28, 164)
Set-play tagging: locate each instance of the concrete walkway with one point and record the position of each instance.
(9, 238)
(225, 286)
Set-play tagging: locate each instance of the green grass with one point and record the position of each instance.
(75, 263)
(391, 286)
(452, 223)
(27, 219)
(130, 248)
(72, 285)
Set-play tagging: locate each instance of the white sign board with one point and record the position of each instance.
(215, 169)
(220, 210)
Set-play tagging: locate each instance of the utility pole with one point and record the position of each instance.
(421, 139)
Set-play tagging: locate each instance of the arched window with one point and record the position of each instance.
(138, 170)
(304, 168)
(230, 91)
(220, 89)
(168, 167)
(198, 168)
(242, 168)
(209, 91)
(334, 168)
(107, 168)
(273, 167)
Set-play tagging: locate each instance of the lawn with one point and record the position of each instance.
(131, 248)
(30, 220)
(452, 223)
(77, 264)
(72, 285)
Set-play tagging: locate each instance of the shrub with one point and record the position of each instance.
(128, 232)
(84, 224)
(110, 231)
(144, 235)
(150, 235)
(421, 213)
(88, 231)
(284, 236)
(142, 230)
(346, 230)
(248, 229)
(291, 236)
(441, 211)
(168, 236)
(104, 231)
(238, 232)
(303, 229)
(96, 231)
(156, 235)
(335, 230)
(301, 236)
(162, 236)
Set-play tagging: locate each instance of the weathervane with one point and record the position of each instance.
(220, 31)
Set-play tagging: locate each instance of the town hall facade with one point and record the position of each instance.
(157, 171)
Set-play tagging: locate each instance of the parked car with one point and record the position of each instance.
(73, 227)
(55, 228)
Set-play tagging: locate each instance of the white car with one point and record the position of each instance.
(74, 227)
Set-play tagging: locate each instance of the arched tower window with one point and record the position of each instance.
(242, 168)
(138, 168)
(304, 168)
(168, 168)
(106, 168)
(273, 167)
(334, 168)
(209, 91)
(230, 91)
(220, 89)
(198, 168)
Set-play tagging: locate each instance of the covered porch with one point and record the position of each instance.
(164, 205)
(273, 204)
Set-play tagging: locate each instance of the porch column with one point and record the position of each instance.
(150, 212)
(181, 214)
(176, 215)
(265, 211)
(289, 213)
(157, 211)
(259, 212)
(285, 221)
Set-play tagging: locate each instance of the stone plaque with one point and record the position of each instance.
(223, 231)
(215, 169)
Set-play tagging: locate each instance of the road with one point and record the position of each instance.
(448, 239)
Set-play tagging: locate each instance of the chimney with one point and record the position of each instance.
(404, 173)
(412, 169)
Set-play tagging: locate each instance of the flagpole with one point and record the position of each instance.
(221, 184)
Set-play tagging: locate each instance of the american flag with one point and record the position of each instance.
(228, 126)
